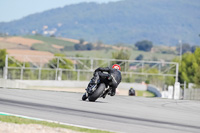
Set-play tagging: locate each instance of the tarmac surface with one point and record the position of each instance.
(120, 113)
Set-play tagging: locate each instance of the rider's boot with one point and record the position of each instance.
(112, 92)
(105, 93)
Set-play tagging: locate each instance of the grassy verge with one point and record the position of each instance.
(144, 93)
(19, 120)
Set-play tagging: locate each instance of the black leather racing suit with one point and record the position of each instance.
(112, 75)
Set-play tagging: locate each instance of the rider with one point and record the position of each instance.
(112, 78)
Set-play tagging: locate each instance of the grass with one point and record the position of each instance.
(134, 53)
(144, 93)
(19, 120)
(50, 40)
(44, 47)
(150, 55)
(92, 53)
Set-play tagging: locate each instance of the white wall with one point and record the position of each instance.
(68, 84)
(11, 84)
(76, 84)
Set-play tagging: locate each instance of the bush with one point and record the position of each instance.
(144, 45)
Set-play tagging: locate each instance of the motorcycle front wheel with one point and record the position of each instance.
(97, 93)
(84, 97)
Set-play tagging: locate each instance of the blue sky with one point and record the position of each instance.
(16, 9)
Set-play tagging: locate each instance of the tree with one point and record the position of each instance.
(185, 48)
(89, 46)
(144, 45)
(81, 41)
(82, 46)
(197, 55)
(197, 74)
(156, 80)
(11, 63)
(189, 67)
(78, 47)
(2, 58)
(121, 55)
(63, 63)
(139, 57)
(193, 48)
(197, 78)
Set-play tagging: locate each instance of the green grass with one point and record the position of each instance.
(92, 53)
(18, 120)
(150, 56)
(144, 93)
(134, 53)
(44, 47)
(50, 40)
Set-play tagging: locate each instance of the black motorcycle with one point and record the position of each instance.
(101, 89)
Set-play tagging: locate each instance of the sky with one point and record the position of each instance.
(17, 9)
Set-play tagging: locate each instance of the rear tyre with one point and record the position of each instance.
(96, 94)
(84, 97)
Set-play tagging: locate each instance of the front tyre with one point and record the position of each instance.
(96, 94)
(84, 97)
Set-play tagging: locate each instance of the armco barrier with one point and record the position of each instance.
(154, 90)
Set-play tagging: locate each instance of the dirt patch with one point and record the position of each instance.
(20, 40)
(31, 128)
(7, 45)
(31, 55)
(57, 46)
(72, 40)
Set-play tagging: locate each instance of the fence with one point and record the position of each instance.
(15, 73)
(26, 67)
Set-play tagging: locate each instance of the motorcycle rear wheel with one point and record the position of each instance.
(97, 93)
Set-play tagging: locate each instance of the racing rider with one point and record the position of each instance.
(112, 78)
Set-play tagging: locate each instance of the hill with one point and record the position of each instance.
(127, 21)
(23, 45)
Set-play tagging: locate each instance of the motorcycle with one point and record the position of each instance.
(98, 90)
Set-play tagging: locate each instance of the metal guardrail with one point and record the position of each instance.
(38, 68)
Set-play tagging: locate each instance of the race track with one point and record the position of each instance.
(119, 113)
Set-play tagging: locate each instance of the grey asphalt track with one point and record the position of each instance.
(119, 113)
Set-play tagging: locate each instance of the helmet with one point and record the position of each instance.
(116, 66)
(131, 92)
